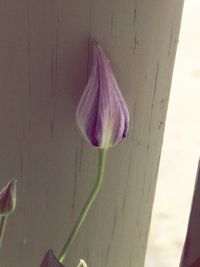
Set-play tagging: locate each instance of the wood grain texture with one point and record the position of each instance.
(44, 59)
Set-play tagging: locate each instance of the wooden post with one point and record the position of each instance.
(44, 48)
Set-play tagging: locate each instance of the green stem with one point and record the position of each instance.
(3, 220)
(87, 206)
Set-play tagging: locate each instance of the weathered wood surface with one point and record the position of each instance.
(43, 70)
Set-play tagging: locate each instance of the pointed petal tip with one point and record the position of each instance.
(12, 182)
(95, 43)
(98, 50)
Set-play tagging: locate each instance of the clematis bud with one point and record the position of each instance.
(82, 263)
(8, 198)
(50, 260)
(102, 113)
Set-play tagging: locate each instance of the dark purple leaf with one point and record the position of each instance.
(191, 249)
(196, 263)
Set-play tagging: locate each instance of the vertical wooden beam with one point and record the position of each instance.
(44, 48)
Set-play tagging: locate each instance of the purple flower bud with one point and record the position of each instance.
(8, 198)
(102, 113)
(50, 260)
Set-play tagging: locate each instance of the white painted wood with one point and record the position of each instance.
(43, 71)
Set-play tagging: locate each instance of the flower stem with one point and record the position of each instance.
(87, 206)
(3, 220)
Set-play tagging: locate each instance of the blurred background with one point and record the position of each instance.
(181, 148)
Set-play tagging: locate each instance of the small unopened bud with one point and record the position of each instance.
(82, 263)
(8, 198)
(50, 260)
